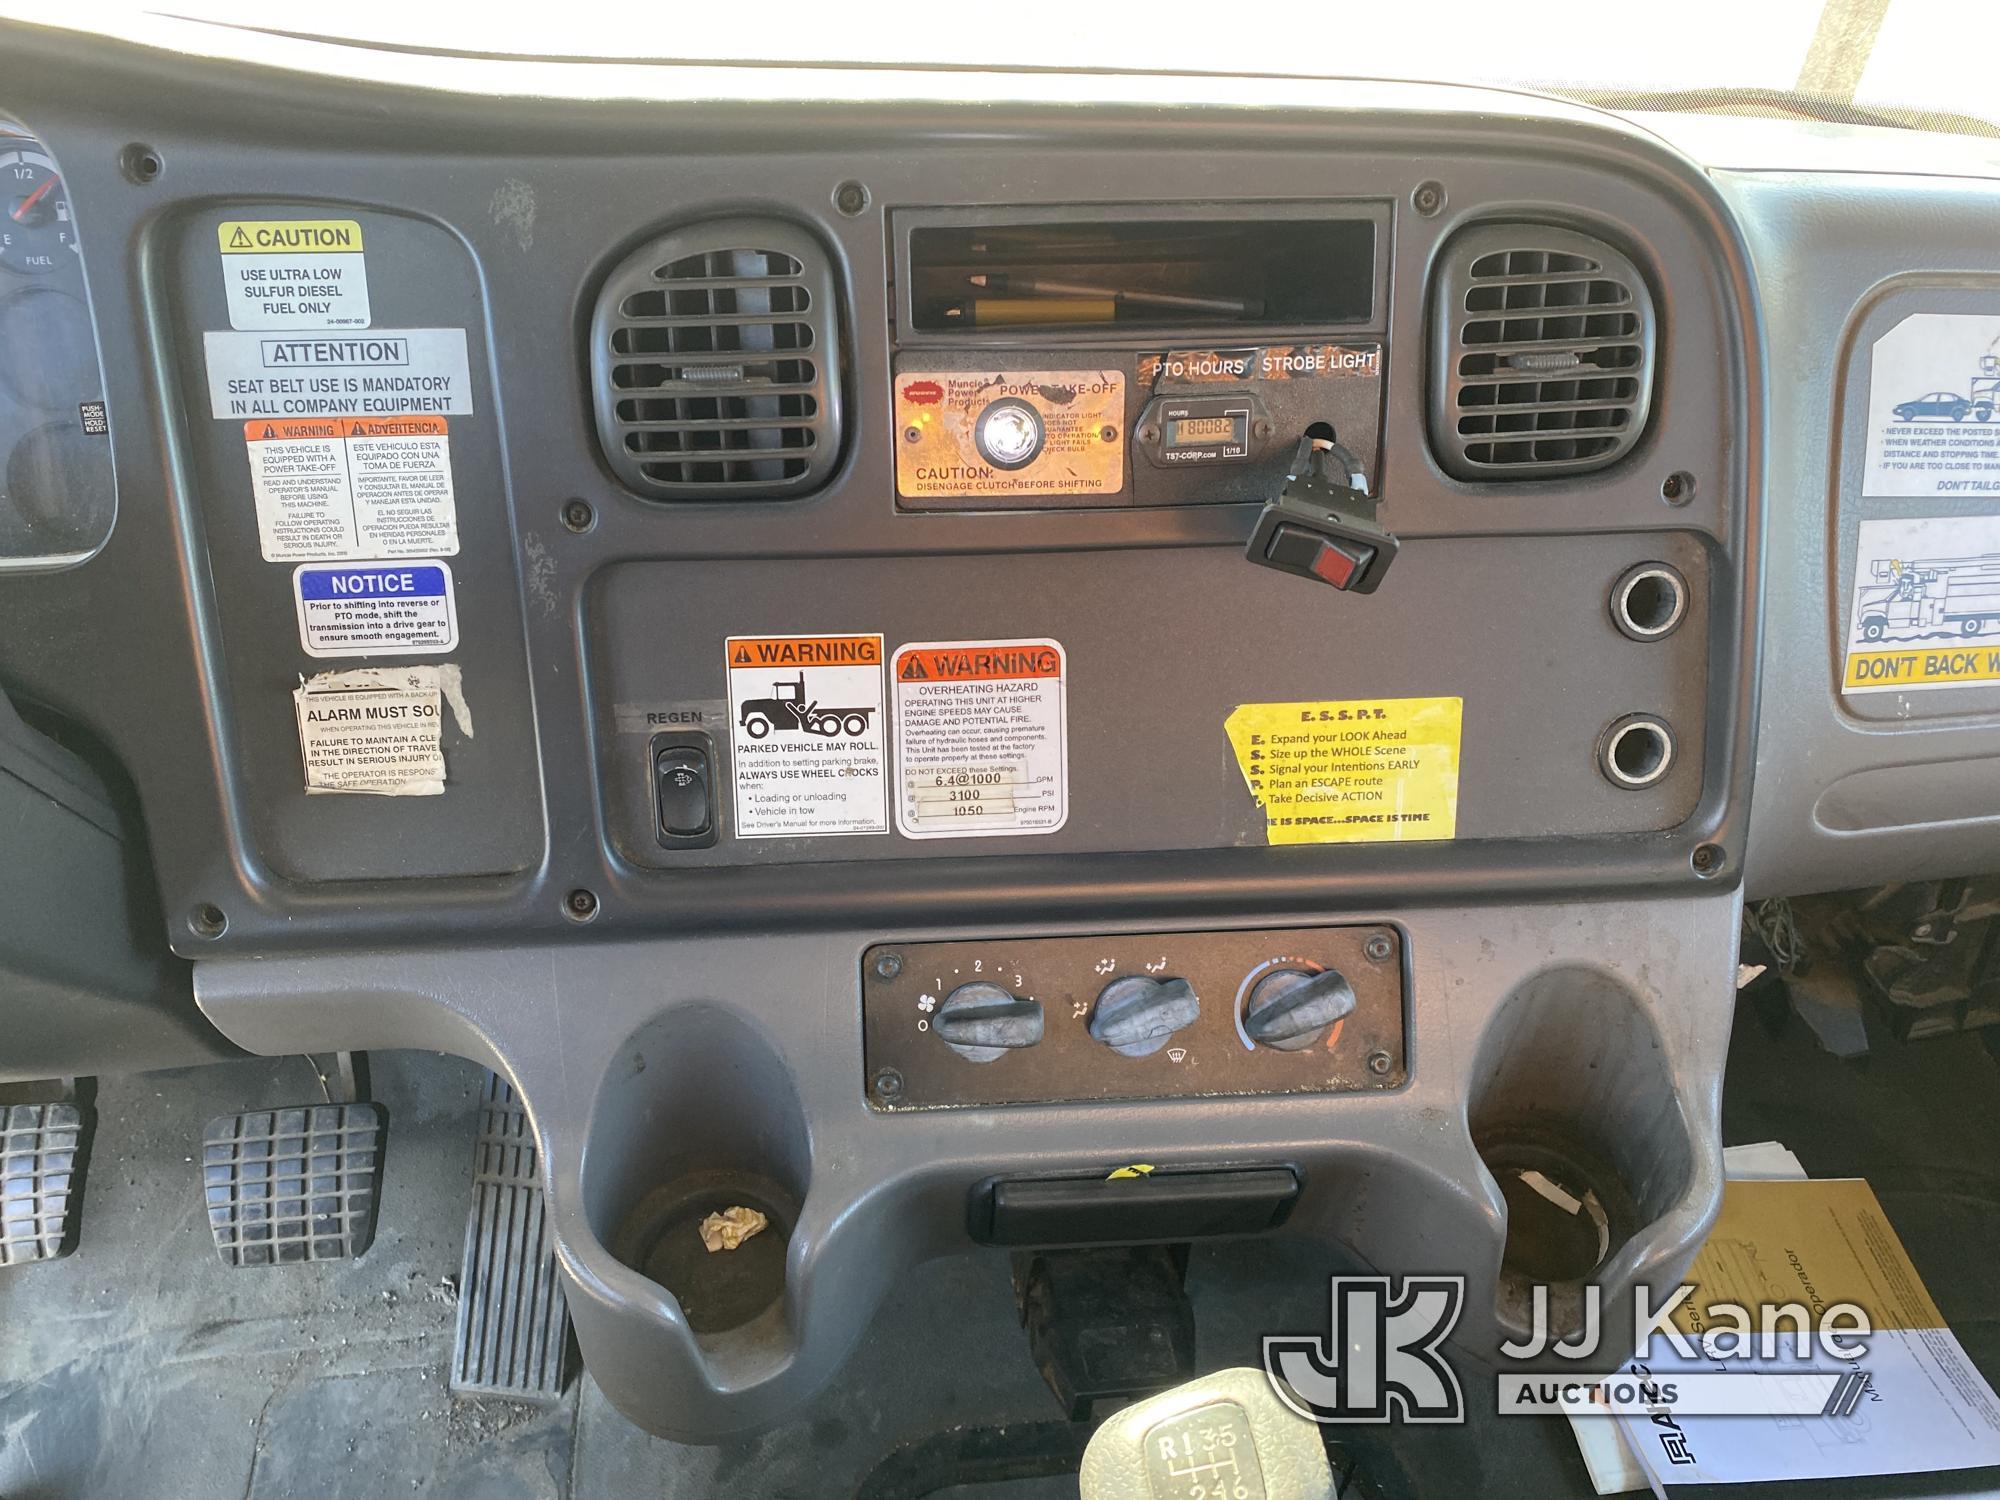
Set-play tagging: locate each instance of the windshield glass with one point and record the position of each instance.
(1925, 63)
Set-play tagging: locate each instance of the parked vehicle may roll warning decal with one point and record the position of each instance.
(808, 748)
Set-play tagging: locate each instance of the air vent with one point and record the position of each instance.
(715, 356)
(1542, 361)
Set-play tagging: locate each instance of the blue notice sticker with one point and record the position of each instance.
(375, 609)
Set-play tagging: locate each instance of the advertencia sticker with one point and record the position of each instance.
(1368, 771)
(807, 740)
(381, 609)
(982, 738)
(352, 487)
(293, 273)
(1925, 612)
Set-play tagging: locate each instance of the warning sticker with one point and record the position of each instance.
(402, 609)
(806, 734)
(294, 273)
(382, 373)
(378, 729)
(1016, 432)
(353, 487)
(1371, 771)
(1934, 407)
(1926, 608)
(982, 738)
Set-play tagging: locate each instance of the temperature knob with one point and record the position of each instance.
(1292, 1009)
(979, 1021)
(1135, 1015)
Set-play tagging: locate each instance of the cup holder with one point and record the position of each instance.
(718, 1290)
(1575, 1114)
(697, 1114)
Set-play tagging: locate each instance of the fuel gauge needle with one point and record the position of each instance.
(28, 203)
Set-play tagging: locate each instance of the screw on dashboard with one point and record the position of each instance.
(578, 516)
(1428, 199)
(1378, 948)
(580, 905)
(1379, 1063)
(889, 965)
(888, 1085)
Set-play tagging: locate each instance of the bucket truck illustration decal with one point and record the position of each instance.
(1934, 407)
(1925, 611)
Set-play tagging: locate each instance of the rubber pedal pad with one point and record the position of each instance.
(295, 1184)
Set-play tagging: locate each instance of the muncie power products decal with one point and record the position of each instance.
(964, 433)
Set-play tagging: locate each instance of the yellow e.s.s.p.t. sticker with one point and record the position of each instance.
(1371, 770)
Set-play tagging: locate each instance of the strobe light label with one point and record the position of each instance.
(379, 609)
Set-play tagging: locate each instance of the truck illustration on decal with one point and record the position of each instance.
(1913, 599)
(789, 712)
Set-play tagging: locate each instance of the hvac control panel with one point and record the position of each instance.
(1134, 1016)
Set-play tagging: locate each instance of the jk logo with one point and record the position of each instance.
(1379, 1362)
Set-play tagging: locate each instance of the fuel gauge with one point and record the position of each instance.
(36, 235)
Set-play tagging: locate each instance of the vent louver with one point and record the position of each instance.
(1542, 357)
(715, 363)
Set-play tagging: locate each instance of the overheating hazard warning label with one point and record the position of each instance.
(294, 273)
(392, 609)
(1369, 771)
(807, 738)
(1926, 606)
(352, 487)
(982, 738)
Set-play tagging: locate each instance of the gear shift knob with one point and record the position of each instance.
(1226, 1434)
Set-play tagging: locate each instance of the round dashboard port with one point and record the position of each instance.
(1636, 751)
(1649, 602)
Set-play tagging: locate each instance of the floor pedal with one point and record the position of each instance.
(513, 1321)
(295, 1184)
(41, 1168)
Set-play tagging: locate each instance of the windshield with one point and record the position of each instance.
(1921, 63)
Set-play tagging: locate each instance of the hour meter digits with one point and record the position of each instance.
(1179, 430)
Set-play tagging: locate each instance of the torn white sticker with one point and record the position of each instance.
(381, 373)
(1934, 407)
(376, 609)
(378, 729)
(982, 738)
(293, 273)
(352, 487)
(1926, 605)
(808, 746)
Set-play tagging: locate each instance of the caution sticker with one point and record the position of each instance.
(294, 273)
(1381, 770)
(378, 730)
(382, 373)
(398, 609)
(1926, 606)
(1934, 407)
(1015, 432)
(982, 738)
(352, 487)
(807, 735)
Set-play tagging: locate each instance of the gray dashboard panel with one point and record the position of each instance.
(1858, 790)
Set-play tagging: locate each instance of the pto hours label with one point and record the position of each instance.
(982, 738)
